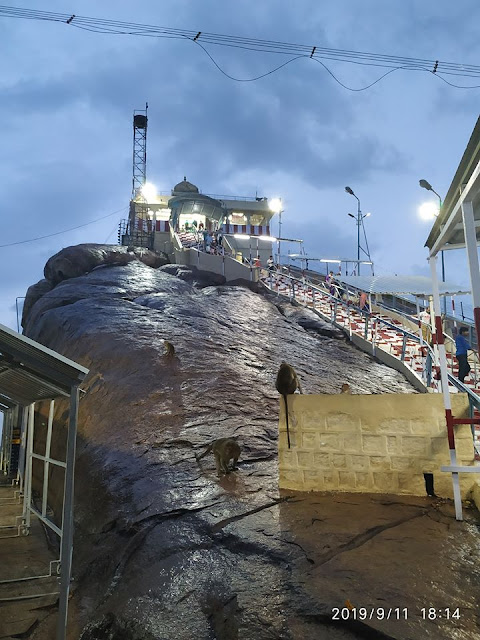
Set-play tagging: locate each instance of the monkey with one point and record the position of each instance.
(287, 382)
(169, 349)
(224, 450)
(346, 388)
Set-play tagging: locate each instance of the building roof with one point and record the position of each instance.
(447, 231)
(184, 187)
(414, 285)
(30, 372)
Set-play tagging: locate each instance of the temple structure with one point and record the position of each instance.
(168, 222)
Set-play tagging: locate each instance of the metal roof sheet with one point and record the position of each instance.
(6, 403)
(413, 285)
(447, 230)
(30, 372)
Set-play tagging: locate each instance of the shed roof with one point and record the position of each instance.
(413, 285)
(447, 231)
(30, 372)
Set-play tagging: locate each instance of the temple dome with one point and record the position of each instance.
(185, 187)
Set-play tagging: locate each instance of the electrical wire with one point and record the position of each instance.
(57, 233)
(263, 75)
(297, 51)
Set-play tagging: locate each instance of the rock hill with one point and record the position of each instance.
(164, 549)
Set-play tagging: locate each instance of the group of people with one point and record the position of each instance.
(257, 262)
(212, 242)
(333, 286)
(252, 262)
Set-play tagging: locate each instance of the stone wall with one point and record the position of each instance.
(223, 265)
(371, 443)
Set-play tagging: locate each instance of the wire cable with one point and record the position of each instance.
(317, 53)
(263, 75)
(57, 233)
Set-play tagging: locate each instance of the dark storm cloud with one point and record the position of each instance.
(322, 238)
(297, 121)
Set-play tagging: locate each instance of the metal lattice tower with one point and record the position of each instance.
(140, 121)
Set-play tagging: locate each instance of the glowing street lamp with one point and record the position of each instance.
(276, 206)
(359, 219)
(428, 211)
(426, 185)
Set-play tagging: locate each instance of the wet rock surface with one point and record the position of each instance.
(164, 549)
(77, 260)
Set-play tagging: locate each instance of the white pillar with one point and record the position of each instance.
(442, 357)
(27, 496)
(66, 545)
(473, 266)
(46, 463)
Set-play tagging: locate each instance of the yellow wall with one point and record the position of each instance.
(371, 443)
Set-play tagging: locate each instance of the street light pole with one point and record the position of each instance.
(359, 221)
(276, 206)
(279, 236)
(426, 185)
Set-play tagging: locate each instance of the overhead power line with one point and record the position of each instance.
(437, 68)
(57, 233)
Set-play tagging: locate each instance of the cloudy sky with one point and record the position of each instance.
(68, 97)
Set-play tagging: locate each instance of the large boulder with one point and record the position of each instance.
(77, 260)
(34, 293)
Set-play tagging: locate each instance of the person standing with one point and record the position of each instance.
(424, 317)
(362, 302)
(271, 264)
(463, 347)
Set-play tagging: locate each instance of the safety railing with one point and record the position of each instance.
(346, 315)
(415, 353)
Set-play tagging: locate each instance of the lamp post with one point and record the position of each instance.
(276, 206)
(359, 218)
(426, 185)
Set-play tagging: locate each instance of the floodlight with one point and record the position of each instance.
(149, 191)
(275, 205)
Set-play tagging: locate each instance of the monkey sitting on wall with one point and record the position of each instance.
(287, 382)
(346, 388)
(224, 450)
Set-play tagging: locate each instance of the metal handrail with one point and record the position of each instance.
(473, 397)
(368, 315)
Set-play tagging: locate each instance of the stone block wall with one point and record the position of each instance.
(371, 443)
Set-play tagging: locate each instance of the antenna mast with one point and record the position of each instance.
(140, 121)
